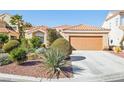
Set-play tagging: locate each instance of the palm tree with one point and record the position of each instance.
(17, 20)
(21, 25)
(27, 25)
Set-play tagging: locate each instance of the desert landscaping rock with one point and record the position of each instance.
(31, 69)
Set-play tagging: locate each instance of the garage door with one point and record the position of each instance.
(86, 42)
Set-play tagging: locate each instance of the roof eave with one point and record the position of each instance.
(70, 31)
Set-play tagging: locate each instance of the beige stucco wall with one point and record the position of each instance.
(30, 34)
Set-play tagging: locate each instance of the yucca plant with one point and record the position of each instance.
(54, 63)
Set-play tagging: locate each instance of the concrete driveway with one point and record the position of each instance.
(97, 66)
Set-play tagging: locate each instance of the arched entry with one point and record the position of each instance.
(39, 34)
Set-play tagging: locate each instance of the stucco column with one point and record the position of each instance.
(9, 36)
(66, 36)
(45, 37)
(105, 41)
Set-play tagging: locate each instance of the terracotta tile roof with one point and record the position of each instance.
(82, 27)
(14, 32)
(62, 27)
(5, 30)
(37, 28)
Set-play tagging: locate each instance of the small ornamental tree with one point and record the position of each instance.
(52, 35)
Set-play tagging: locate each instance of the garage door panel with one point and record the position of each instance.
(86, 42)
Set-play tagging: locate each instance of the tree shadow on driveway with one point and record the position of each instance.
(77, 69)
(77, 58)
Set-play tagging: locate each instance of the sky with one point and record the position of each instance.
(61, 17)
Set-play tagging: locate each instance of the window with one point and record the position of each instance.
(111, 41)
(13, 37)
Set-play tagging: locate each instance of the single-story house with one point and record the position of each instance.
(85, 37)
(81, 37)
(5, 29)
(40, 31)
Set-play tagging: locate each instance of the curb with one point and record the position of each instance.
(104, 78)
(18, 78)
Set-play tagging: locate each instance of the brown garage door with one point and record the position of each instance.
(86, 42)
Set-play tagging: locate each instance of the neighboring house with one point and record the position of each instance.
(7, 17)
(5, 29)
(61, 27)
(40, 31)
(84, 37)
(115, 22)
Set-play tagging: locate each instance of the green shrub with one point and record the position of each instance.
(117, 49)
(31, 50)
(52, 36)
(19, 55)
(36, 42)
(63, 45)
(3, 39)
(4, 59)
(54, 63)
(10, 45)
(25, 43)
(32, 56)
